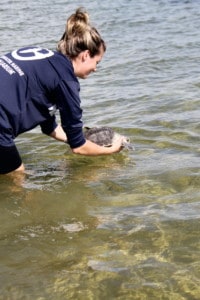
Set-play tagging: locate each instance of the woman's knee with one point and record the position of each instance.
(10, 160)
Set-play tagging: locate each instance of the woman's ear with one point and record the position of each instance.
(85, 55)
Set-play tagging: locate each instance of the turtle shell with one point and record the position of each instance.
(106, 136)
(102, 136)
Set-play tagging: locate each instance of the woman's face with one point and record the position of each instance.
(84, 64)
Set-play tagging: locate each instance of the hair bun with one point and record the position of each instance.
(79, 36)
(78, 23)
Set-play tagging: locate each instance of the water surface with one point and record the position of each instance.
(124, 226)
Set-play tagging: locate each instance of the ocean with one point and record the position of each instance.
(123, 226)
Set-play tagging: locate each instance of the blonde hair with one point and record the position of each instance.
(79, 36)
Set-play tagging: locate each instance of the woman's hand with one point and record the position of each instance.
(59, 134)
(89, 148)
(117, 145)
(92, 149)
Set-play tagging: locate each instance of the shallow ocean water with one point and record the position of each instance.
(124, 226)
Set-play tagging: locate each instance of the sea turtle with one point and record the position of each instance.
(105, 136)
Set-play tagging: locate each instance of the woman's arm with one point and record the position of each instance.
(59, 134)
(92, 149)
(88, 148)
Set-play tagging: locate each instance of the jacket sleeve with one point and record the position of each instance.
(68, 103)
(48, 125)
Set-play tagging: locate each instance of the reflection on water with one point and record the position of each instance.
(124, 226)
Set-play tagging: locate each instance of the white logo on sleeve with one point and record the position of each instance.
(52, 110)
(32, 53)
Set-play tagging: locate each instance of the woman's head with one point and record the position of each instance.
(80, 36)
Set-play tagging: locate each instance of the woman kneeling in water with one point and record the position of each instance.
(35, 82)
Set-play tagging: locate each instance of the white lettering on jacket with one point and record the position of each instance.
(31, 53)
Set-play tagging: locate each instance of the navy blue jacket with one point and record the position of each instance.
(34, 82)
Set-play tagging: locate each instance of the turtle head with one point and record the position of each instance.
(126, 143)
